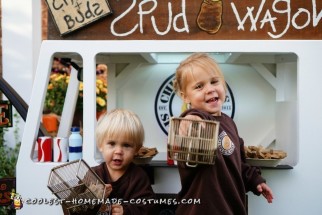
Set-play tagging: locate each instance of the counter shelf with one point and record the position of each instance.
(159, 161)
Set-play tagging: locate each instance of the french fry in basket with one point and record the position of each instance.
(146, 152)
(260, 152)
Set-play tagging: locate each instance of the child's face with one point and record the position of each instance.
(118, 153)
(204, 91)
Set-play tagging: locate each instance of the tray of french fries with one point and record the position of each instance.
(260, 156)
(145, 155)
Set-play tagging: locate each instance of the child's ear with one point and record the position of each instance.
(185, 98)
(100, 148)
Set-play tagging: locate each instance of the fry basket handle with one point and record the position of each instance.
(191, 165)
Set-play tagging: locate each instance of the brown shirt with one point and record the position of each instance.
(131, 190)
(221, 188)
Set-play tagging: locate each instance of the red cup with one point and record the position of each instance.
(44, 149)
(60, 149)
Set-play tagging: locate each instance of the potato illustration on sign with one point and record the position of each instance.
(210, 16)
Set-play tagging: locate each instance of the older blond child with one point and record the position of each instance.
(221, 188)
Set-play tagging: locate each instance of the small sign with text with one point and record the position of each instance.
(5, 113)
(70, 15)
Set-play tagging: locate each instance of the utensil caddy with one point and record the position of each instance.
(193, 141)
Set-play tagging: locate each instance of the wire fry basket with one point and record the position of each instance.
(77, 184)
(193, 141)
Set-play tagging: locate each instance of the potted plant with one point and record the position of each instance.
(55, 97)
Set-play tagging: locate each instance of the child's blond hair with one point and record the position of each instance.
(120, 122)
(201, 60)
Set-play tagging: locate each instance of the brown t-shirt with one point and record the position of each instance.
(132, 190)
(221, 188)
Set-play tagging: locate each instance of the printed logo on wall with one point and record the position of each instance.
(168, 104)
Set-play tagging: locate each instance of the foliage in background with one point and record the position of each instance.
(56, 92)
(101, 95)
(8, 158)
(9, 155)
(57, 88)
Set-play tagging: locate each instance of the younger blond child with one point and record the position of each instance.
(120, 135)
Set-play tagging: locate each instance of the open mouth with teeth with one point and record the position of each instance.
(214, 99)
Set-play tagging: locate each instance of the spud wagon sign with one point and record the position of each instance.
(168, 104)
(186, 19)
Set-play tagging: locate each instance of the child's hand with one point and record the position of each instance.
(108, 189)
(117, 209)
(266, 191)
(185, 124)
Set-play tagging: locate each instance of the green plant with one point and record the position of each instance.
(9, 155)
(101, 95)
(56, 92)
(57, 88)
(8, 159)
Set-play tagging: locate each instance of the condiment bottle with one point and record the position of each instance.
(75, 144)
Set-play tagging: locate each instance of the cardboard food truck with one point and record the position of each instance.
(268, 52)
